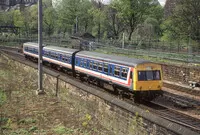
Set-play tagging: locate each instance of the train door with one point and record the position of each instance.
(110, 71)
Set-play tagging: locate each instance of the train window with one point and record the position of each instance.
(95, 66)
(68, 59)
(45, 53)
(82, 63)
(88, 64)
(100, 67)
(156, 75)
(77, 59)
(50, 54)
(105, 67)
(124, 72)
(141, 75)
(149, 75)
(56, 56)
(117, 71)
(85, 63)
(91, 65)
(63, 58)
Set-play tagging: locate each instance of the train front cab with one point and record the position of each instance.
(147, 82)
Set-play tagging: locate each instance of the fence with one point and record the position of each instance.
(187, 51)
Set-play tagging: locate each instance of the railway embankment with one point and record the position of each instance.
(78, 108)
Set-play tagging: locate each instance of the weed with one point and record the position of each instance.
(32, 129)
(27, 121)
(86, 121)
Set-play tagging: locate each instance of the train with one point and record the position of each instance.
(140, 79)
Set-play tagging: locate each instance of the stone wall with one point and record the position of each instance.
(111, 117)
(181, 74)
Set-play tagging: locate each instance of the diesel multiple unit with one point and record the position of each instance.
(139, 77)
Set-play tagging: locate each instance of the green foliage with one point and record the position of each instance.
(91, 16)
(50, 18)
(21, 131)
(99, 20)
(33, 128)
(86, 120)
(184, 22)
(18, 19)
(133, 12)
(2, 97)
(27, 121)
(72, 11)
(62, 130)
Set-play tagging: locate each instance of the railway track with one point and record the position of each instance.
(155, 107)
(188, 89)
(181, 101)
(172, 115)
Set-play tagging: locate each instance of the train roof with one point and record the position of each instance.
(60, 49)
(31, 44)
(113, 58)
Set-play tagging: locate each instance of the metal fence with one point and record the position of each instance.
(186, 51)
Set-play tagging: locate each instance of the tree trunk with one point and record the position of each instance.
(130, 35)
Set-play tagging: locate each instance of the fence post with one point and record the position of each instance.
(57, 82)
(123, 40)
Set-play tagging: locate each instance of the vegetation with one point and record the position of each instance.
(184, 23)
(73, 112)
(139, 20)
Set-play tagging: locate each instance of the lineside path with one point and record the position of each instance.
(176, 128)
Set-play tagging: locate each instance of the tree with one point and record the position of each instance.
(133, 12)
(187, 18)
(68, 12)
(84, 17)
(99, 19)
(49, 20)
(115, 23)
(185, 21)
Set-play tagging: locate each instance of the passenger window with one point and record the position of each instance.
(81, 63)
(95, 65)
(100, 67)
(85, 63)
(105, 67)
(91, 65)
(117, 71)
(63, 58)
(56, 56)
(88, 64)
(124, 72)
(77, 61)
